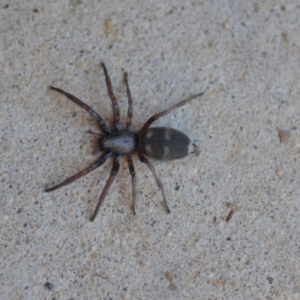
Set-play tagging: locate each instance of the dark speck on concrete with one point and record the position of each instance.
(270, 280)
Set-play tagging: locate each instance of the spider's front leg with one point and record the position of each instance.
(116, 112)
(86, 107)
(100, 161)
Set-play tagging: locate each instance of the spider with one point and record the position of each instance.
(159, 142)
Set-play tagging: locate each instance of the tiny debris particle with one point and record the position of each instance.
(279, 173)
(75, 3)
(270, 280)
(284, 135)
(49, 286)
(286, 38)
(230, 215)
(169, 277)
(108, 23)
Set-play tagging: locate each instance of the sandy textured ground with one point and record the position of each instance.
(245, 57)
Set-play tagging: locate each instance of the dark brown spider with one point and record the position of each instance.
(159, 142)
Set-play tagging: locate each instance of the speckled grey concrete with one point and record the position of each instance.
(244, 55)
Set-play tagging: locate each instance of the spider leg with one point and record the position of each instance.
(113, 173)
(129, 113)
(144, 160)
(165, 112)
(95, 133)
(100, 161)
(133, 178)
(116, 112)
(93, 114)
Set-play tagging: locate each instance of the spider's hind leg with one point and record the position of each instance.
(144, 160)
(133, 179)
(167, 111)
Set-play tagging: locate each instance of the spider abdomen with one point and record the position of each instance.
(122, 142)
(164, 143)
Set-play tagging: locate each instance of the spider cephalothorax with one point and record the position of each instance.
(159, 142)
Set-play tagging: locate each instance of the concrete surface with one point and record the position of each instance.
(245, 56)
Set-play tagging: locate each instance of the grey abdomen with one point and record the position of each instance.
(164, 143)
